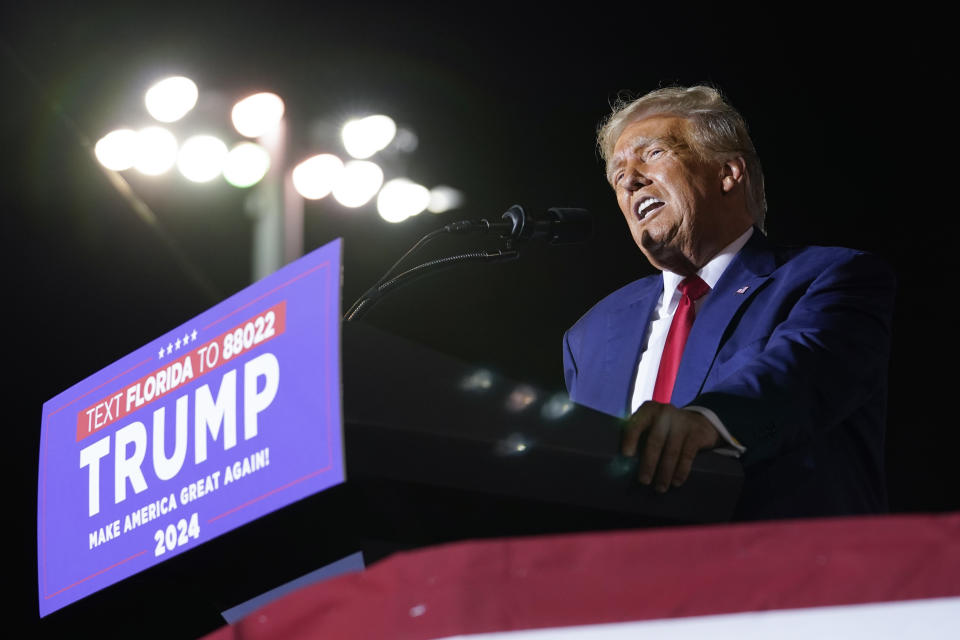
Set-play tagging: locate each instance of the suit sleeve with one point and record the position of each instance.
(823, 367)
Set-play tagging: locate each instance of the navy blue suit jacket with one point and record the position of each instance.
(790, 350)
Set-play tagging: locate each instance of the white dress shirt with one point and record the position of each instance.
(660, 320)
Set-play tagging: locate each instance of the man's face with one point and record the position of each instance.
(670, 197)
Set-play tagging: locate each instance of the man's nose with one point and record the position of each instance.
(636, 180)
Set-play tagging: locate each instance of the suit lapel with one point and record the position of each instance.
(626, 330)
(739, 282)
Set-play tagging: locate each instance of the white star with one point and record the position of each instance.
(193, 336)
(178, 344)
(161, 353)
(186, 338)
(169, 348)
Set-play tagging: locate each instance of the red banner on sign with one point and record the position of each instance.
(182, 369)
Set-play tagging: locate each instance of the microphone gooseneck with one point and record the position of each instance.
(560, 225)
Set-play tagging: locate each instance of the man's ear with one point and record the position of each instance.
(732, 173)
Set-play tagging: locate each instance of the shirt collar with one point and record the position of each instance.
(710, 272)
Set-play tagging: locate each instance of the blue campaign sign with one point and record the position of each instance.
(228, 417)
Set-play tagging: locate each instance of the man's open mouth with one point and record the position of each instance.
(647, 205)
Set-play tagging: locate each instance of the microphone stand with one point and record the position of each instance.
(377, 291)
(516, 219)
(563, 225)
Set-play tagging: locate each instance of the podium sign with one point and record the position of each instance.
(230, 416)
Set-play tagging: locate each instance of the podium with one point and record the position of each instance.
(427, 422)
(437, 451)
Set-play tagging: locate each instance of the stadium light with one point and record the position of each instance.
(246, 164)
(171, 98)
(117, 149)
(315, 177)
(365, 136)
(444, 198)
(358, 183)
(201, 158)
(278, 205)
(400, 198)
(258, 114)
(155, 152)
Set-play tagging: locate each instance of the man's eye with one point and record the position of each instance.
(653, 153)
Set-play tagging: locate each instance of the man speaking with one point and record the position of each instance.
(778, 353)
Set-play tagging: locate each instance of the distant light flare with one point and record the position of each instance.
(556, 406)
(358, 183)
(258, 114)
(315, 177)
(201, 158)
(171, 98)
(400, 198)
(246, 164)
(363, 137)
(622, 466)
(521, 398)
(479, 380)
(514, 444)
(156, 151)
(117, 149)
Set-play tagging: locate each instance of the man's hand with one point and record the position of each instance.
(674, 436)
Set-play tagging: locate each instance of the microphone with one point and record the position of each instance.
(560, 225)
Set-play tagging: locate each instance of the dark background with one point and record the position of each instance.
(844, 110)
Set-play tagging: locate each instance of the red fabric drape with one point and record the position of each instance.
(551, 581)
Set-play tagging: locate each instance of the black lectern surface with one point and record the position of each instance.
(436, 451)
(415, 415)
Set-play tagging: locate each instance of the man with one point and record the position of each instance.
(778, 353)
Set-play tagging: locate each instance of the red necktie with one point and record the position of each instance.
(692, 288)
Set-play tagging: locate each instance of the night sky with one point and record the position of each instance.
(505, 105)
